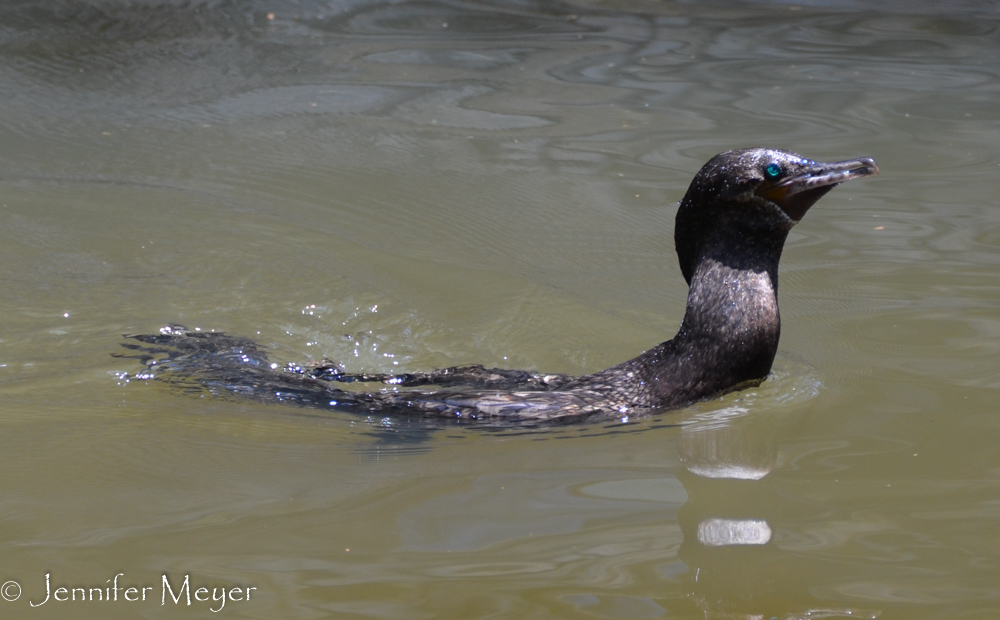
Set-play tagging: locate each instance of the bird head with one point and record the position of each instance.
(755, 192)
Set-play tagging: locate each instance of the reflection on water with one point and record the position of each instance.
(729, 453)
(498, 180)
(717, 446)
(721, 532)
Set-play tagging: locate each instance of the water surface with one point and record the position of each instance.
(405, 185)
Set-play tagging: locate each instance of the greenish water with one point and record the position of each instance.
(402, 186)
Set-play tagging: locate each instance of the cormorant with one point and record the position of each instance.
(730, 230)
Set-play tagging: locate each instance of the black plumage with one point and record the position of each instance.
(730, 230)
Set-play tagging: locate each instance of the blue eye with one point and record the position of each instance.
(772, 170)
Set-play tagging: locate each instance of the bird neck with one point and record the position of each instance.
(731, 304)
(729, 334)
(732, 319)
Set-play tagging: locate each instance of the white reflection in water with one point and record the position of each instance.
(721, 532)
(726, 443)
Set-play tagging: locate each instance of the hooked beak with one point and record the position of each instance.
(796, 193)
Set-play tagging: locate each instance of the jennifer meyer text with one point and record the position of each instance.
(177, 592)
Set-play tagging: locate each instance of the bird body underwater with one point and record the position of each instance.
(730, 230)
